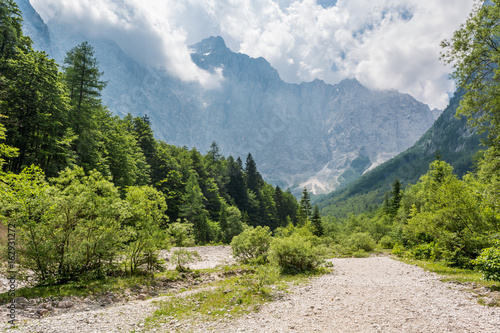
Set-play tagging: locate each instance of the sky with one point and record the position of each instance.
(385, 44)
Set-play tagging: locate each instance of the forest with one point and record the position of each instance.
(90, 193)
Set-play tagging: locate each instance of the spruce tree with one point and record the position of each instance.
(193, 210)
(316, 222)
(254, 180)
(305, 208)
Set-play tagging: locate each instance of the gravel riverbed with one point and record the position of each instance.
(376, 294)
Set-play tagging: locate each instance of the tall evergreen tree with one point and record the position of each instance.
(236, 187)
(305, 208)
(36, 108)
(397, 194)
(316, 222)
(11, 34)
(193, 210)
(83, 79)
(254, 180)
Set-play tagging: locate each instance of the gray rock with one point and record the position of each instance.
(65, 304)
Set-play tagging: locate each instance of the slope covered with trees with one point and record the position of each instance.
(449, 138)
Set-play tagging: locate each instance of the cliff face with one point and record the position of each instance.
(311, 134)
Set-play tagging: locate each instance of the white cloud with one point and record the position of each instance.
(385, 44)
(147, 30)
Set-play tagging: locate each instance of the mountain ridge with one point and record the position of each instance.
(449, 139)
(312, 134)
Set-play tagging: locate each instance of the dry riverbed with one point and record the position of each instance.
(375, 294)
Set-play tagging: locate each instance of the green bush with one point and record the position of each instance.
(398, 250)
(252, 245)
(183, 257)
(295, 254)
(360, 241)
(488, 262)
(361, 254)
(426, 251)
(386, 242)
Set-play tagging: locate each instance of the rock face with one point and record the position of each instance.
(312, 134)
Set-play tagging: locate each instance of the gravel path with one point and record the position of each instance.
(376, 294)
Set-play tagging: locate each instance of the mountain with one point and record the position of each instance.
(312, 134)
(449, 138)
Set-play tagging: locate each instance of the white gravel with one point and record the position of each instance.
(376, 294)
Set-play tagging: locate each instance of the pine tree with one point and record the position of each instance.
(83, 78)
(397, 195)
(194, 212)
(316, 222)
(254, 180)
(305, 208)
(236, 187)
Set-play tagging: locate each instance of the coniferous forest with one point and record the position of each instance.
(91, 193)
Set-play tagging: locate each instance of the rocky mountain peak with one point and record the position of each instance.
(313, 135)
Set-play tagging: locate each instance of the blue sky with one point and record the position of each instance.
(385, 44)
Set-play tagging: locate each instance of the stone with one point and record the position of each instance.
(42, 312)
(65, 304)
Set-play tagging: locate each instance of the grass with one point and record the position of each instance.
(454, 274)
(92, 287)
(229, 298)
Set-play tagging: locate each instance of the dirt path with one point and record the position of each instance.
(370, 295)
(362, 295)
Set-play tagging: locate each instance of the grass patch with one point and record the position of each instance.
(454, 274)
(79, 289)
(229, 298)
(91, 287)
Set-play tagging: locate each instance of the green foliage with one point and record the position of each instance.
(427, 251)
(316, 223)
(474, 51)
(360, 254)
(295, 254)
(398, 250)
(68, 230)
(146, 207)
(252, 245)
(183, 257)
(488, 262)
(181, 233)
(360, 241)
(386, 242)
(447, 211)
(6, 151)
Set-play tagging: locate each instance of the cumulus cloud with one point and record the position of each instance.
(147, 30)
(385, 44)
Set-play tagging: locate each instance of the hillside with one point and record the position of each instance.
(449, 137)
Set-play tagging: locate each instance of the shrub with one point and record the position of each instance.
(183, 257)
(181, 233)
(361, 241)
(295, 254)
(252, 245)
(425, 251)
(67, 231)
(488, 262)
(398, 250)
(386, 242)
(361, 254)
